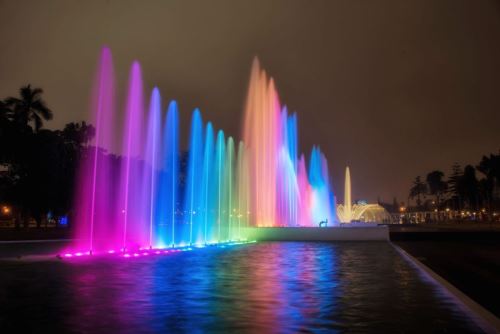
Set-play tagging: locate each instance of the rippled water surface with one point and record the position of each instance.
(256, 288)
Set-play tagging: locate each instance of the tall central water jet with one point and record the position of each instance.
(347, 195)
(360, 211)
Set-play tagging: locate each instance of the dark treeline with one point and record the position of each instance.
(37, 165)
(471, 188)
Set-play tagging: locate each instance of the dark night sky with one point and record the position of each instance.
(394, 89)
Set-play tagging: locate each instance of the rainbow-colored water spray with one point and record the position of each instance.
(138, 190)
(282, 193)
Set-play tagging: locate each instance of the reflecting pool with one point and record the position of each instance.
(286, 287)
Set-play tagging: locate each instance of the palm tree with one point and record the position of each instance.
(30, 107)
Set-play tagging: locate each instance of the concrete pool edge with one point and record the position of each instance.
(486, 320)
(334, 233)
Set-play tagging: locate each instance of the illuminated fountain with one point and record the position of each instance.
(138, 190)
(282, 192)
(348, 212)
(135, 192)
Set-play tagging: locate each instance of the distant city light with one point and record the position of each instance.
(6, 210)
(63, 221)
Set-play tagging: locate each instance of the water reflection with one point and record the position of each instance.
(258, 288)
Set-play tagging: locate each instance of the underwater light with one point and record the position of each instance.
(146, 252)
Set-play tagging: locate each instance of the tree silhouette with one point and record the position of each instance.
(454, 185)
(5, 113)
(38, 165)
(490, 168)
(470, 187)
(417, 190)
(464, 188)
(77, 134)
(29, 108)
(437, 187)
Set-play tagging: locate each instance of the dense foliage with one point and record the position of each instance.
(37, 165)
(475, 188)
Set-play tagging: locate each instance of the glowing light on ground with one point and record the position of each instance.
(152, 251)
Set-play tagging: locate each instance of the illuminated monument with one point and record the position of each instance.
(138, 190)
(348, 212)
